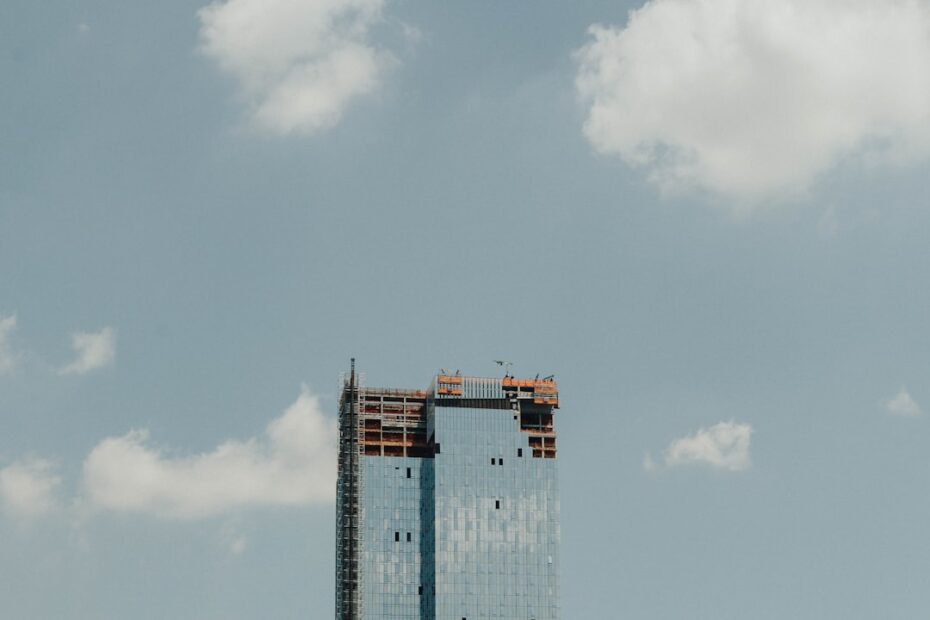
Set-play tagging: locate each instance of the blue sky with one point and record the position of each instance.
(707, 218)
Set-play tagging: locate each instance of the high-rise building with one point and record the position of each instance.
(447, 501)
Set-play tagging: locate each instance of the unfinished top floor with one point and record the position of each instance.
(397, 422)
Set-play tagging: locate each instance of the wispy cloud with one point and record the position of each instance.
(753, 99)
(7, 357)
(28, 488)
(724, 445)
(93, 350)
(293, 463)
(903, 404)
(232, 540)
(298, 64)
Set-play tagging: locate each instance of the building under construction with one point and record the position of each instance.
(447, 500)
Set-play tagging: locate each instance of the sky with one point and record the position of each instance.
(708, 218)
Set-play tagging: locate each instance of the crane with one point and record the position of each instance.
(506, 365)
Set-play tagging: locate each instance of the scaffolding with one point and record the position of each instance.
(348, 494)
(534, 402)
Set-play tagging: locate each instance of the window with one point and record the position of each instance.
(497, 504)
(520, 452)
(493, 461)
(437, 448)
(500, 461)
(408, 472)
(396, 536)
(420, 590)
(408, 537)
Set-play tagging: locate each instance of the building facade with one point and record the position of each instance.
(447, 501)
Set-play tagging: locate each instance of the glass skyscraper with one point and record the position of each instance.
(447, 501)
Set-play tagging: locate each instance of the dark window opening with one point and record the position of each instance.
(408, 537)
(493, 461)
(396, 536)
(420, 590)
(497, 504)
(437, 448)
(520, 452)
(408, 472)
(500, 461)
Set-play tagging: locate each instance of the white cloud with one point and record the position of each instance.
(7, 357)
(299, 63)
(94, 350)
(232, 540)
(237, 545)
(649, 463)
(723, 446)
(754, 99)
(28, 488)
(292, 464)
(903, 404)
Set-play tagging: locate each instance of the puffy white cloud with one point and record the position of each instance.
(299, 63)
(292, 464)
(723, 446)
(754, 99)
(93, 350)
(7, 357)
(903, 404)
(28, 488)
